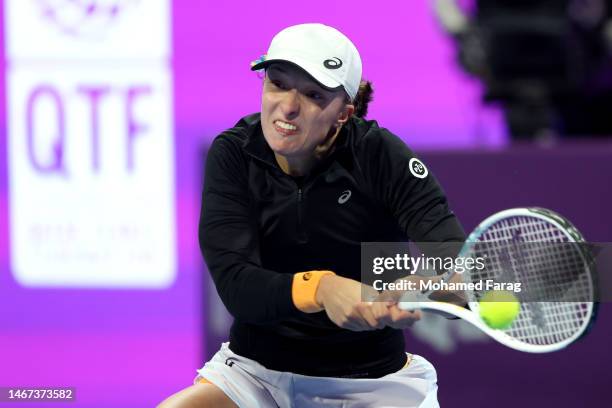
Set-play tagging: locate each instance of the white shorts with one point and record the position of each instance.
(251, 385)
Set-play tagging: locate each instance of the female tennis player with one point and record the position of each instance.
(289, 195)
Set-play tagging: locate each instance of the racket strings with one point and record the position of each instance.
(551, 269)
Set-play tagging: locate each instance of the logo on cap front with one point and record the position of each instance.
(333, 63)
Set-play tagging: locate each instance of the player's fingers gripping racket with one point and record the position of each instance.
(549, 257)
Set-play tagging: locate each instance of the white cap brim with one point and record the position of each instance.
(311, 69)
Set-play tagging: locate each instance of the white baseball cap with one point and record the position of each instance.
(322, 51)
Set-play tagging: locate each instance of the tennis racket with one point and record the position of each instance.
(548, 255)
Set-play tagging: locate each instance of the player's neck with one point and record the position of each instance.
(301, 166)
(295, 166)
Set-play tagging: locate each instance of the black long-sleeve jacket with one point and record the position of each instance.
(259, 227)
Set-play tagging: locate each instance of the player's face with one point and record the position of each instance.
(297, 115)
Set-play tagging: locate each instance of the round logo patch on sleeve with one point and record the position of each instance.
(417, 168)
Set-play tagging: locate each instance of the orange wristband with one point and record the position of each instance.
(304, 290)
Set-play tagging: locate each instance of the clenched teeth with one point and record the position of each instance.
(284, 125)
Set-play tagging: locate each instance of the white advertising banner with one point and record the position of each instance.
(84, 29)
(90, 157)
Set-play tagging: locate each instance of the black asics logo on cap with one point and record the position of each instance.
(333, 63)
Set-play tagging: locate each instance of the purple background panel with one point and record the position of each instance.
(480, 375)
(131, 348)
(3, 146)
(114, 368)
(572, 178)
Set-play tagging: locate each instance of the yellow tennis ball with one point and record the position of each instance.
(499, 308)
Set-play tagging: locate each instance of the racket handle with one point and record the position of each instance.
(410, 306)
(446, 309)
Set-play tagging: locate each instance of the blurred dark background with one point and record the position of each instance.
(549, 62)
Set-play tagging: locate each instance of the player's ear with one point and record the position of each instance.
(346, 113)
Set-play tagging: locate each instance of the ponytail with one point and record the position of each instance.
(363, 98)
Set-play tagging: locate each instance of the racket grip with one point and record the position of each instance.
(410, 306)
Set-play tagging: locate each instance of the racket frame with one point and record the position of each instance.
(412, 300)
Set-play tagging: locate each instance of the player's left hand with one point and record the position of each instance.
(401, 319)
(387, 312)
(398, 318)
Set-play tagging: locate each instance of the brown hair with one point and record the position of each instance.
(363, 98)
